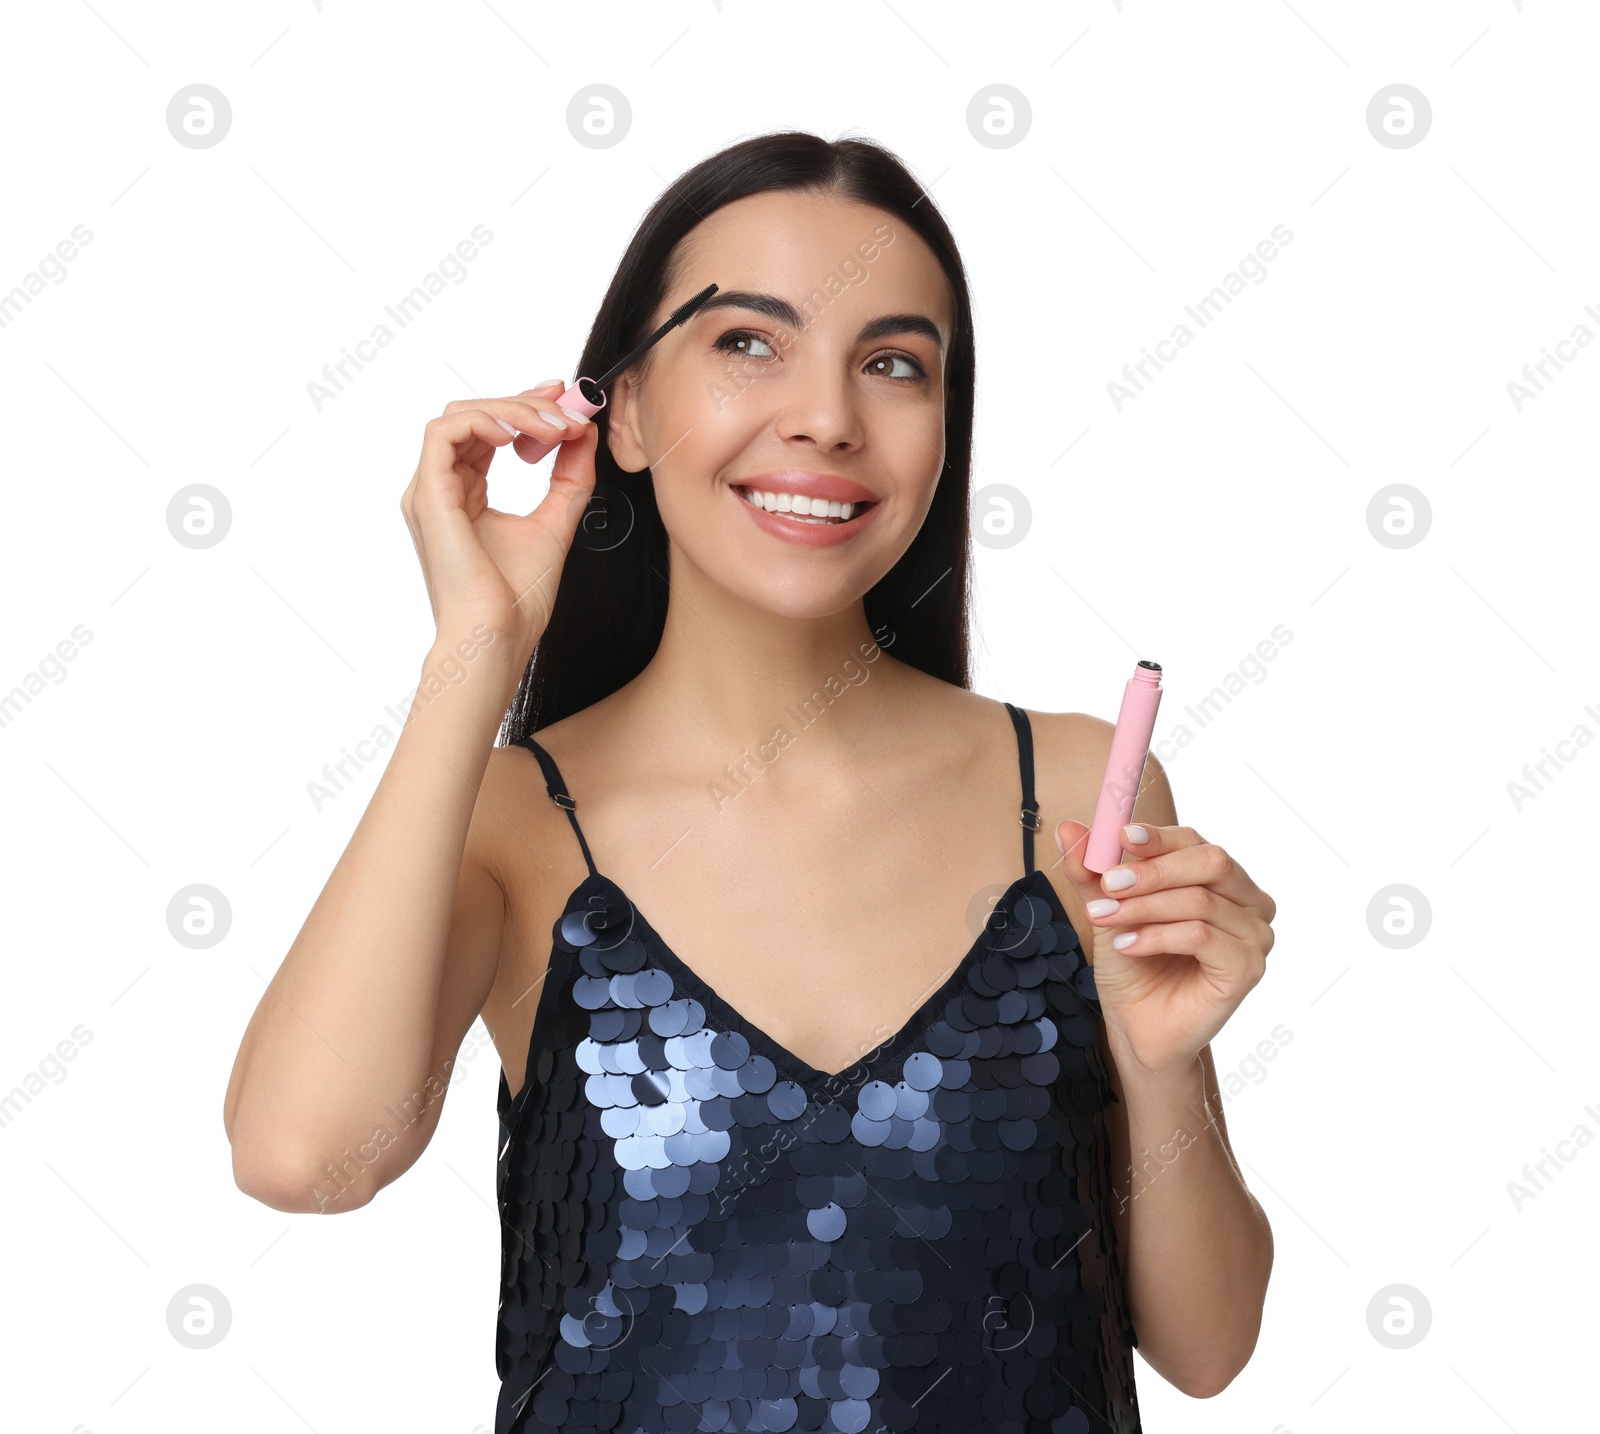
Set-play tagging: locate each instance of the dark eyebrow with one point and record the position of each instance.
(783, 312)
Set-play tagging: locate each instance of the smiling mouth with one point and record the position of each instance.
(797, 508)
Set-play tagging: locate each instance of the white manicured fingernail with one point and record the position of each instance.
(508, 428)
(1120, 877)
(576, 417)
(1136, 835)
(553, 418)
(1104, 906)
(1125, 940)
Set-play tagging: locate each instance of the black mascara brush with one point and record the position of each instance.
(587, 395)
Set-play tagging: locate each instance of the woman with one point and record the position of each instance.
(780, 1155)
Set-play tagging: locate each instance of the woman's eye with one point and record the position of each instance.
(739, 341)
(879, 366)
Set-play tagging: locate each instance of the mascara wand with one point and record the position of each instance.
(587, 396)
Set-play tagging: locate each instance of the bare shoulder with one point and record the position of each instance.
(1070, 752)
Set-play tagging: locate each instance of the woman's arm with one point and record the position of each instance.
(1195, 1245)
(343, 1068)
(341, 1074)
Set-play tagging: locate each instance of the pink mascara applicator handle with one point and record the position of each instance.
(530, 449)
(1130, 745)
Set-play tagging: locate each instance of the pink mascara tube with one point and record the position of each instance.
(1130, 745)
(585, 395)
(574, 400)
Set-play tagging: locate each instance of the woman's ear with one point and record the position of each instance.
(622, 427)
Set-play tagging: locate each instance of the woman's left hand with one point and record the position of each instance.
(1201, 928)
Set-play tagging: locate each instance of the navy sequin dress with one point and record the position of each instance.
(699, 1231)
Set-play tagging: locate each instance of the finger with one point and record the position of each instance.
(1204, 864)
(1181, 903)
(553, 424)
(1238, 886)
(1220, 952)
(542, 416)
(572, 480)
(558, 415)
(550, 388)
(444, 440)
(1073, 839)
(573, 469)
(1141, 840)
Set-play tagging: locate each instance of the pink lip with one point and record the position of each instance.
(805, 535)
(813, 485)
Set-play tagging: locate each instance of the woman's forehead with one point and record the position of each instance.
(792, 245)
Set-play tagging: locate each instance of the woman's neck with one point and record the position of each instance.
(736, 673)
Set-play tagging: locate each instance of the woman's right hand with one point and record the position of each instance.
(483, 566)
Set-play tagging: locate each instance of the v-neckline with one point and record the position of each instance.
(835, 1084)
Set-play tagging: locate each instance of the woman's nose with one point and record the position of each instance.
(821, 409)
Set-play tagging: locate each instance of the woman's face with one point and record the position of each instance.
(816, 372)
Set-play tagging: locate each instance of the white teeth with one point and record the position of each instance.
(797, 505)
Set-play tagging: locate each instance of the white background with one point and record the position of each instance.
(1376, 748)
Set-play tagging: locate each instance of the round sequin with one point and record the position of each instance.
(876, 1100)
(922, 1070)
(1032, 912)
(651, 987)
(649, 1087)
(868, 1131)
(850, 1415)
(575, 929)
(786, 1100)
(757, 1074)
(670, 1019)
(828, 1223)
(614, 955)
(591, 992)
(909, 1102)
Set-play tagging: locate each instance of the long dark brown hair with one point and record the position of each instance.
(611, 605)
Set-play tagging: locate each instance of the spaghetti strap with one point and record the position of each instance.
(558, 793)
(1029, 816)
